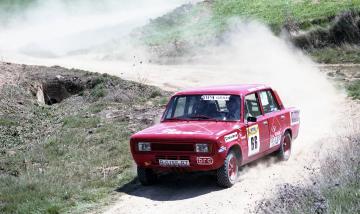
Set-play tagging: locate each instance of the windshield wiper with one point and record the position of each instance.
(201, 117)
(174, 118)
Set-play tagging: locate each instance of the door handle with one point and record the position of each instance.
(265, 122)
(282, 117)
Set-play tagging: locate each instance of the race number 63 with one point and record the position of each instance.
(253, 140)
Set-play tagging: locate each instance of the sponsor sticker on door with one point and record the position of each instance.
(294, 117)
(231, 137)
(253, 140)
(274, 141)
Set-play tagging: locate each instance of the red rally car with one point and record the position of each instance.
(217, 128)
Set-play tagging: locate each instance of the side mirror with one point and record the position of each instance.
(251, 119)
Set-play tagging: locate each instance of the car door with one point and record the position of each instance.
(274, 116)
(257, 132)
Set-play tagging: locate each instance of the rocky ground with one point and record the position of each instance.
(343, 73)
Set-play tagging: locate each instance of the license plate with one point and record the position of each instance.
(174, 163)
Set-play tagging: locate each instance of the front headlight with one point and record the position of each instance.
(202, 147)
(144, 147)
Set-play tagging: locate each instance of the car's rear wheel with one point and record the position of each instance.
(146, 176)
(228, 173)
(285, 147)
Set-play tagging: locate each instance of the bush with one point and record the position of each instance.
(98, 91)
(353, 89)
(155, 93)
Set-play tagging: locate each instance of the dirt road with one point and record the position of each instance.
(299, 84)
(267, 60)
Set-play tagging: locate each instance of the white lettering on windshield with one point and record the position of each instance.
(215, 97)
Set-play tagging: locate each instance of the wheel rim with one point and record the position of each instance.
(232, 169)
(287, 147)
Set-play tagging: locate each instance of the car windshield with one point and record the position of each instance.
(204, 107)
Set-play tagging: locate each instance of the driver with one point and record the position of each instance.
(200, 108)
(233, 105)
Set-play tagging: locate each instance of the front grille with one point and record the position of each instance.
(172, 147)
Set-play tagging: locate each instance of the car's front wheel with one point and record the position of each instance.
(285, 148)
(228, 173)
(146, 176)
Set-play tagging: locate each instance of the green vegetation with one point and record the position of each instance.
(70, 156)
(186, 22)
(71, 169)
(98, 91)
(353, 89)
(15, 4)
(78, 122)
(340, 175)
(178, 32)
(344, 199)
(335, 189)
(276, 13)
(7, 122)
(336, 55)
(206, 20)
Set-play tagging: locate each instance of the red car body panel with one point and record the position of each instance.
(175, 140)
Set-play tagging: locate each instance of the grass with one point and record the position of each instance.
(353, 89)
(344, 199)
(7, 122)
(98, 91)
(189, 28)
(202, 22)
(67, 157)
(79, 122)
(340, 176)
(178, 25)
(70, 169)
(336, 55)
(276, 13)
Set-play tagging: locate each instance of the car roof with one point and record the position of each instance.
(240, 89)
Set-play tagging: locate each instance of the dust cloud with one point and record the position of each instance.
(250, 53)
(253, 54)
(70, 35)
(56, 28)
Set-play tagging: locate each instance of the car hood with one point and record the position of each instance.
(210, 130)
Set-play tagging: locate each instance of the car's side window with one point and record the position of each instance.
(268, 102)
(252, 107)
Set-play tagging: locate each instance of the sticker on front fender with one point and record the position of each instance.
(204, 160)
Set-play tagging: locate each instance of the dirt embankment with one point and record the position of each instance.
(342, 29)
(64, 135)
(24, 86)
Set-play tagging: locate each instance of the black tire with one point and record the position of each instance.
(285, 148)
(225, 178)
(146, 176)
